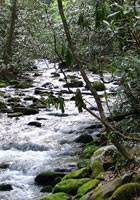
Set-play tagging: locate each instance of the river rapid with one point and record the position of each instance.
(25, 150)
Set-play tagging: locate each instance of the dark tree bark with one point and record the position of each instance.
(8, 50)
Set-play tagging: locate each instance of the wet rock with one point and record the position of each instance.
(127, 192)
(57, 196)
(13, 82)
(48, 178)
(42, 91)
(96, 168)
(47, 189)
(4, 165)
(64, 142)
(5, 187)
(37, 124)
(82, 164)
(16, 114)
(70, 186)
(73, 84)
(80, 173)
(37, 74)
(23, 85)
(29, 98)
(14, 99)
(26, 110)
(84, 138)
(48, 85)
(85, 188)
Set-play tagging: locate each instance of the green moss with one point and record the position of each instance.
(96, 168)
(70, 186)
(99, 86)
(23, 85)
(88, 186)
(57, 196)
(17, 114)
(2, 84)
(127, 192)
(97, 153)
(82, 163)
(89, 150)
(2, 105)
(80, 173)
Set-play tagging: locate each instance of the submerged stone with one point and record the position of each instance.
(23, 85)
(57, 196)
(70, 186)
(73, 84)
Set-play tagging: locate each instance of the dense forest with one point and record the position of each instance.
(92, 38)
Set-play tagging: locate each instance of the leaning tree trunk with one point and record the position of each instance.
(8, 50)
(102, 117)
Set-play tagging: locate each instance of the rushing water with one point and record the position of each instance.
(28, 150)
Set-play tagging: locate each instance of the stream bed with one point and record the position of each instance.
(25, 150)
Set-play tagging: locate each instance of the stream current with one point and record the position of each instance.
(28, 150)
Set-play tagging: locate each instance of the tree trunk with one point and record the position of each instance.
(8, 51)
(91, 88)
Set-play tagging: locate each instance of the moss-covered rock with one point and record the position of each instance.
(57, 196)
(16, 114)
(70, 186)
(23, 85)
(14, 99)
(127, 192)
(73, 84)
(105, 191)
(80, 173)
(99, 86)
(48, 178)
(37, 124)
(89, 149)
(26, 110)
(84, 138)
(96, 168)
(2, 84)
(47, 188)
(88, 186)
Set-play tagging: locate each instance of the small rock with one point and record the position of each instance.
(85, 138)
(37, 124)
(5, 187)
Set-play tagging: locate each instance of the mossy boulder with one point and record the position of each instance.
(2, 84)
(57, 196)
(85, 188)
(96, 168)
(37, 124)
(70, 186)
(48, 178)
(26, 110)
(127, 192)
(2, 105)
(80, 173)
(16, 114)
(105, 191)
(99, 86)
(84, 138)
(73, 84)
(23, 85)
